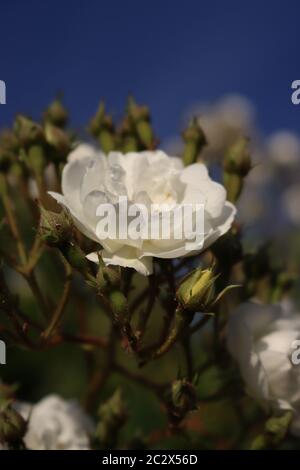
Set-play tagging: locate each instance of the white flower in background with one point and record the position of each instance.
(223, 122)
(56, 424)
(284, 148)
(143, 178)
(291, 203)
(261, 339)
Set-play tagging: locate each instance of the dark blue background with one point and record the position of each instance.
(170, 54)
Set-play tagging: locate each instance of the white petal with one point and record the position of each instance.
(126, 257)
(221, 225)
(82, 150)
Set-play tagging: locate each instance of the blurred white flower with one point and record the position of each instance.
(223, 122)
(260, 338)
(291, 203)
(56, 424)
(284, 148)
(142, 178)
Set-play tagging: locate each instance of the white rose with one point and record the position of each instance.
(90, 180)
(284, 148)
(262, 339)
(56, 424)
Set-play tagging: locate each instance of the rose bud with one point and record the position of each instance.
(140, 116)
(56, 114)
(113, 415)
(28, 132)
(55, 228)
(237, 164)
(195, 140)
(58, 139)
(12, 425)
(108, 277)
(197, 290)
(184, 398)
(237, 159)
(102, 127)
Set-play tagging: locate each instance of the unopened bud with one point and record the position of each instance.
(197, 290)
(128, 137)
(234, 184)
(119, 304)
(184, 398)
(113, 415)
(36, 159)
(106, 140)
(237, 159)
(28, 132)
(56, 114)
(75, 256)
(8, 140)
(145, 133)
(195, 140)
(97, 121)
(140, 117)
(108, 278)
(12, 425)
(102, 127)
(137, 112)
(58, 139)
(55, 228)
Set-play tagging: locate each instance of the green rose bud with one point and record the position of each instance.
(55, 228)
(9, 141)
(140, 118)
(119, 304)
(37, 159)
(56, 114)
(12, 425)
(97, 121)
(113, 415)
(197, 290)
(28, 132)
(195, 140)
(237, 159)
(184, 398)
(108, 278)
(102, 127)
(75, 256)
(58, 139)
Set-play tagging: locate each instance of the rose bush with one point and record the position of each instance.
(151, 177)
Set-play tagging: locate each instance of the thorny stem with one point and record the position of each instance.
(188, 356)
(100, 377)
(60, 308)
(33, 284)
(11, 219)
(145, 314)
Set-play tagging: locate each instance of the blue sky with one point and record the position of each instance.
(169, 54)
